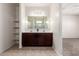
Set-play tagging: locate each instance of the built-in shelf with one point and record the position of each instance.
(16, 27)
(16, 33)
(16, 21)
(16, 30)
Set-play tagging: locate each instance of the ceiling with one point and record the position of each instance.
(70, 9)
(67, 8)
(37, 4)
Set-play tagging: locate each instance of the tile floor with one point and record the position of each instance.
(71, 46)
(29, 51)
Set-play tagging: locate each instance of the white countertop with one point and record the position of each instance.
(37, 32)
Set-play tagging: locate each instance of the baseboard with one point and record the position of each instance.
(70, 38)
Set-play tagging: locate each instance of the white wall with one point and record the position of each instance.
(30, 9)
(21, 18)
(28, 12)
(56, 27)
(7, 16)
(70, 26)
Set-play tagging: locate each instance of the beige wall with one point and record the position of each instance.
(7, 17)
(70, 26)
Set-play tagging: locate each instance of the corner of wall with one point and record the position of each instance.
(59, 54)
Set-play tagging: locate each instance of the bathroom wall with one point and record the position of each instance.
(7, 17)
(24, 12)
(31, 9)
(28, 12)
(55, 24)
(70, 26)
(21, 23)
(0, 28)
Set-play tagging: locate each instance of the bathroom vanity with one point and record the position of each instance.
(37, 39)
(36, 27)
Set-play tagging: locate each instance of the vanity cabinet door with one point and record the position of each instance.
(35, 39)
(48, 39)
(27, 39)
(41, 39)
(45, 39)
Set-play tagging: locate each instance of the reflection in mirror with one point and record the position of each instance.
(37, 22)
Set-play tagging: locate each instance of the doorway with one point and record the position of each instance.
(70, 29)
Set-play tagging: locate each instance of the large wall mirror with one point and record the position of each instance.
(35, 18)
(37, 22)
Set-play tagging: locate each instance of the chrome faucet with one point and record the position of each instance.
(37, 29)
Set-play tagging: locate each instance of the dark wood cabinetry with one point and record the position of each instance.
(37, 39)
